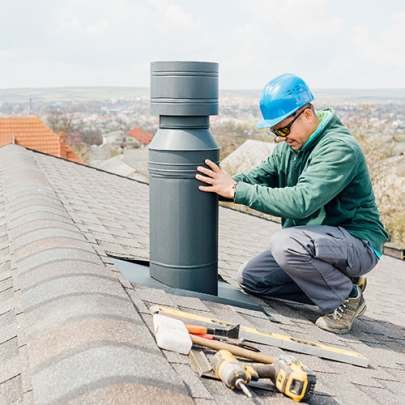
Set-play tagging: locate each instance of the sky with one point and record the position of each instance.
(330, 43)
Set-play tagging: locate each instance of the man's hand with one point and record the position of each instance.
(219, 181)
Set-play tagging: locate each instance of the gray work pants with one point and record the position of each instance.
(310, 264)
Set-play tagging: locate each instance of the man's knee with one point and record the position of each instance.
(242, 273)
(287, 249)
(250, 280)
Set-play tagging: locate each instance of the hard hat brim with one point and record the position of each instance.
(270, 123)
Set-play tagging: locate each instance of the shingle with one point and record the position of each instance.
(32, 226)
(94, 331)
(155, 296)
(11, 390)
(6, 319)
(357, 375)
(6, 305)
(43, 257)
(140, 306)
(5, 283)
(54, 383)
(39, 216)
(378, 355)
(8, 349)
(250, 313)
(396, 388)
(60, 269)
(349, 393)
(25, 209)
(5, 268)
(54, 313)
(192, 381)
(318, 399)
(201, 401)
(316, 364)
(10, 368)
(45, 234)
(37, 246)
(8, 331)
(189, 303)
(6, 295)
(382, 396)
(28, 201)
(173, 357)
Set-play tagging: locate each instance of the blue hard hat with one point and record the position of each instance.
(281, 97)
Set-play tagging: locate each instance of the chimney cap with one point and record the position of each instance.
(184, 88)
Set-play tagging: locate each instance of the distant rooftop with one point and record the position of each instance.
(32, 133)
(140, 135)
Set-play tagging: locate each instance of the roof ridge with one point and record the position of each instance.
(64, 307)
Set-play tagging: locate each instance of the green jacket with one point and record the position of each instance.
(325, 182)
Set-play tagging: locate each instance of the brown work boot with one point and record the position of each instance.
(341, 319)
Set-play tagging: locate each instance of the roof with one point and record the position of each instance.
(119, 165)
(32, 133)
(73, 331)
(140, 135)
(132, 163)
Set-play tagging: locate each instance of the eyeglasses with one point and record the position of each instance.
(285, 131)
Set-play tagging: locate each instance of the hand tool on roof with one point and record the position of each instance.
(274, 339)
(288, 375)
(202, 366)
(231, 372)
(223, 335)
(236, 342)
(232, 332)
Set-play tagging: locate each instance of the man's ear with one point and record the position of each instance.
(310, 113)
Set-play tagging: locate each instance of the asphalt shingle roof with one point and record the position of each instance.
(73, 331)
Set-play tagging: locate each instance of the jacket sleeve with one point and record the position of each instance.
(329, 172)
(264, 174)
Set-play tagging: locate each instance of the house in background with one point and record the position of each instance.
(143, 137)
(30, 132)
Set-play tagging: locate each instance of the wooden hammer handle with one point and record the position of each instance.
(235, 350)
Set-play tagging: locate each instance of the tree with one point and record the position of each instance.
(60, 121)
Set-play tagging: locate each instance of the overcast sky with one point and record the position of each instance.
(331, 44)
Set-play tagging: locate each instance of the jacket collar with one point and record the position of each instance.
(325, 117)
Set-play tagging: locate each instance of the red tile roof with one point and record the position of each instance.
(140, 135)
(32, 133)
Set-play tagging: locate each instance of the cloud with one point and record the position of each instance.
(173, 18)
(331, 44)
(385, 45)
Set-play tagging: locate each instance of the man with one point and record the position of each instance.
(318, 183)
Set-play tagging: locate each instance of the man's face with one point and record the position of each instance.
(300, 130)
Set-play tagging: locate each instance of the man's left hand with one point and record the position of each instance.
(219, 181)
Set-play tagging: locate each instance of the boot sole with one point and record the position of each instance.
(361, 312)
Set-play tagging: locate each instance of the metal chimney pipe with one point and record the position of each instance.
(183, 219)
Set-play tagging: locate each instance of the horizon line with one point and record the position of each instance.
(224, 89)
